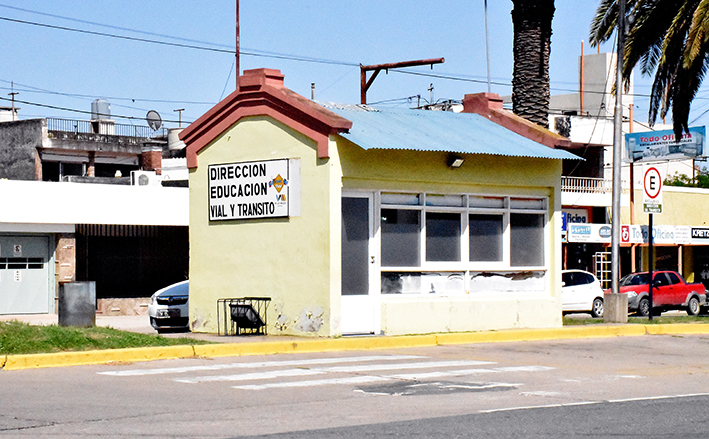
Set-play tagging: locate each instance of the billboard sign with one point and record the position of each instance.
(661, 145)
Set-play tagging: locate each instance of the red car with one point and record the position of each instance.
(669, 291)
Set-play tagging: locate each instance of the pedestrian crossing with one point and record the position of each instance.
(312, 372)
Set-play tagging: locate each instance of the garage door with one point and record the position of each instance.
(24, 274)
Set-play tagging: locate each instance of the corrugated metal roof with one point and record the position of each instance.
(423, 130)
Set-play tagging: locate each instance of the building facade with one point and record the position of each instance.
(401, 222)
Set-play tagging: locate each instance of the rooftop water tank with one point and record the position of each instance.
(100, 109)
(173, 139)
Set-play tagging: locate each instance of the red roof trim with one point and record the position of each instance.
(261, 93)
(489, 105)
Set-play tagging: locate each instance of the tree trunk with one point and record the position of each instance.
(532, 46)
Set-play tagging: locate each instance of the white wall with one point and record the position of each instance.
(39, 202)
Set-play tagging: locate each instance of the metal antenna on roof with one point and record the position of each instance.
(487, 50)
(238, 48)
(366, 83)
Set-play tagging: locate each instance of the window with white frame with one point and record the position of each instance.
(430, 242)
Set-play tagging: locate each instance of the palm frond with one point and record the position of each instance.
(698, 33)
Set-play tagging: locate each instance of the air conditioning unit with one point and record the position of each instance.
(144, 178)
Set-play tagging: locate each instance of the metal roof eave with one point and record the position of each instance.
(423, 130)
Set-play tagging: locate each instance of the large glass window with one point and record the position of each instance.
(485, 236)
(422, 234)
(526, 239)
(401, 237)
(442, 236)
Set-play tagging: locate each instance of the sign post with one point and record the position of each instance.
(652, 203)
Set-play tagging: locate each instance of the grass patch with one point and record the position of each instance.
(571, 321)
(22, 338)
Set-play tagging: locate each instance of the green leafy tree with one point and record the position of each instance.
(667, 37)
(701, 180)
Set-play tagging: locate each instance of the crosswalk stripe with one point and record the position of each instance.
(293, 363)
(311, 383)
(252, 376)
(336, 369)
(464, 372)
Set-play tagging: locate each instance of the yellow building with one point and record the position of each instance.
(356, 220)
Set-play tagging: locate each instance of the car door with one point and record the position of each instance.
(677, 293)
(661, 291)
(570, 297)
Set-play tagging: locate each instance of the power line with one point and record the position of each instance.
(110, 26)
(54, 107)
(32, 89)
(186, 46)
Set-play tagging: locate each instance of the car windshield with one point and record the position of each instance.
(634, 279)
(180, 289)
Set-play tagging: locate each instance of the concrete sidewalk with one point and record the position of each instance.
(274, 344)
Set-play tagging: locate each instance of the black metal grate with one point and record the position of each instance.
(242, 316)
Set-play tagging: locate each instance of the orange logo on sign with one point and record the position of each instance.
(278, 182)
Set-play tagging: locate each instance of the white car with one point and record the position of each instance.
(581, 292)
(169, 308)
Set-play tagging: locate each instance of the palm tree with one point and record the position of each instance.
(532, 46)
(667, 37)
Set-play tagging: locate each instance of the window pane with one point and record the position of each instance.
(527, 203)
(485, 233)
(444, 200)
(442, 236)
(490, 202)
(355, 246)
(401, 283)
(394, 198)
(526, 239)
(401, 237)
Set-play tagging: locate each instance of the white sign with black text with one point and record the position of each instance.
(249, 190)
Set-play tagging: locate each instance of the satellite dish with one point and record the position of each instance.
(154, 120)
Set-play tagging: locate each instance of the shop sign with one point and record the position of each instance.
(662, 145)
(249, 190)
(600, 233)
(638, 234)
(575, 216)
(700, 233)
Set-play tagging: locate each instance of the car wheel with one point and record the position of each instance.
(644, 307)
(693, 306)
(153, 323)
(597, 308)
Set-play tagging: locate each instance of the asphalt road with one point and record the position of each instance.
(649, 386)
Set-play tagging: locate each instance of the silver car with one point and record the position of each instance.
(169, 308)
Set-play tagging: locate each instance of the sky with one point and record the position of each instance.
(59, 72)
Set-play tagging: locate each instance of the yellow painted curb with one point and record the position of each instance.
(314, 345)
(677, 329)
(33, 361)
(16, 362)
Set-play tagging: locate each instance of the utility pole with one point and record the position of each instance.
(616, 303)
(365, 83)
(179, 117)
(12, 94)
